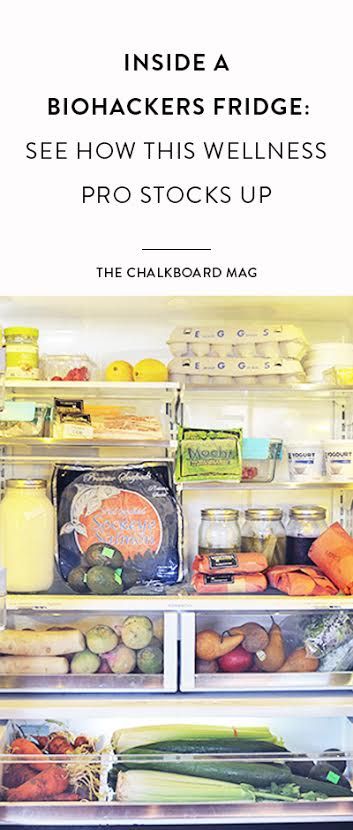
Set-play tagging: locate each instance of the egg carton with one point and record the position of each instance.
(273, 341)
(231, 372)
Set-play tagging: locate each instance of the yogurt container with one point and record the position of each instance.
(305, 461)
(338, 455)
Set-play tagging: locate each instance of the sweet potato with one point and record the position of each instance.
(52, 782)
(21, 746)
(16, 774)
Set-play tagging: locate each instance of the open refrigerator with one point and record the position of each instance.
(307, 713)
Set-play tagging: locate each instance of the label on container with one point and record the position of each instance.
(18, 411)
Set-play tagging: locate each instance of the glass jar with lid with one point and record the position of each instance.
(27, 536)
(22, 356)
(264, 532)
(219, 532)
(306, 523)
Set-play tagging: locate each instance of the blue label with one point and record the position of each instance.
(18, 411)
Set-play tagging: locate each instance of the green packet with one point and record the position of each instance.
(207, 454)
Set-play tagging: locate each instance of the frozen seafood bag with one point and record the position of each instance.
(132, 508)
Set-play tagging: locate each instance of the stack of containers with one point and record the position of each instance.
(324, 356)
(239, 355)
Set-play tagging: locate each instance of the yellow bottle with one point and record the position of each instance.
(27, 536)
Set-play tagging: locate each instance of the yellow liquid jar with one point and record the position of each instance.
(27, 536)
(22, 355)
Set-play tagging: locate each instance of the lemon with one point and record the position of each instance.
(150, 370)
(119, 370)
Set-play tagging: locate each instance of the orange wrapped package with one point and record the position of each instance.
(300, 581)
(333, 553)
(237, 563)
(229, 583)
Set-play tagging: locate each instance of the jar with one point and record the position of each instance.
(306, 523)
(27, 536)
(264, 532)
(22, 357)
(219, 532)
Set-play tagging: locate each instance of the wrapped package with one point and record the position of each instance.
(130, 510)
(325, 633)
(300, 581)
(208, 454)
(229, 583)
(237, 563)
(333, 553)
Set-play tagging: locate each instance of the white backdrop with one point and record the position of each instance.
(298, 240)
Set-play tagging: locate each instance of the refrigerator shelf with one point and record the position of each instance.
(192, 602)
(46, 389)
(272, 485)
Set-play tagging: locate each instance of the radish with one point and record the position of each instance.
(237, 660)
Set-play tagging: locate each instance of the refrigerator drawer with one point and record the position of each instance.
(109, 766)
(82, 651)
(294, 651)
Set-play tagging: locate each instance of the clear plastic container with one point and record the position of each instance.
(306, 523)
(264, 532)
(68, 367)
(260, 458)
(22, 356)
(22, 420)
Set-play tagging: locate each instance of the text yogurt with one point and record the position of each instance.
(339, 459)
(305, 461)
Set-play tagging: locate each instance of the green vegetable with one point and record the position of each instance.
(124, 739)
(327, 632)
(210, 746)
(166, 788)
(331, 790)
(150, 660)
(101, 638)
(84, 662)
(103, 580)
(137, 632)
(340, 659)
(257, 775)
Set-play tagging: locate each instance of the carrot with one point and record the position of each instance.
(23, 747)
(63, 797)
(52, 782)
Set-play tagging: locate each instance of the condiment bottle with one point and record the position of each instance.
(27, 536)
(306, 523)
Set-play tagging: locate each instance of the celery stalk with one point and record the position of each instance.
(124, 739)
(152, 787)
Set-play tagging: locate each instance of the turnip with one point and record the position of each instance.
(236, 661)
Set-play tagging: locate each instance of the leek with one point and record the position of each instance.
(168, 788)
(124, 739)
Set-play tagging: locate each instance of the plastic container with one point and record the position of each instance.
(338, 455)
(263, 532)
(27, 536)
(306, 523)
(260, 457)
(68, 367)
(22, 356)
(22, 420)
(305, 461)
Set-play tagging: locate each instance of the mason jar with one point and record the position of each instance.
(306, 523)
(219, 533)
(27, 536)
(264, 532)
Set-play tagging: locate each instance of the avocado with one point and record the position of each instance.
(77, 580)
(103, 554)
(103, 580)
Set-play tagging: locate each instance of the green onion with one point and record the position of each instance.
(124, 739)
(168, 788)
